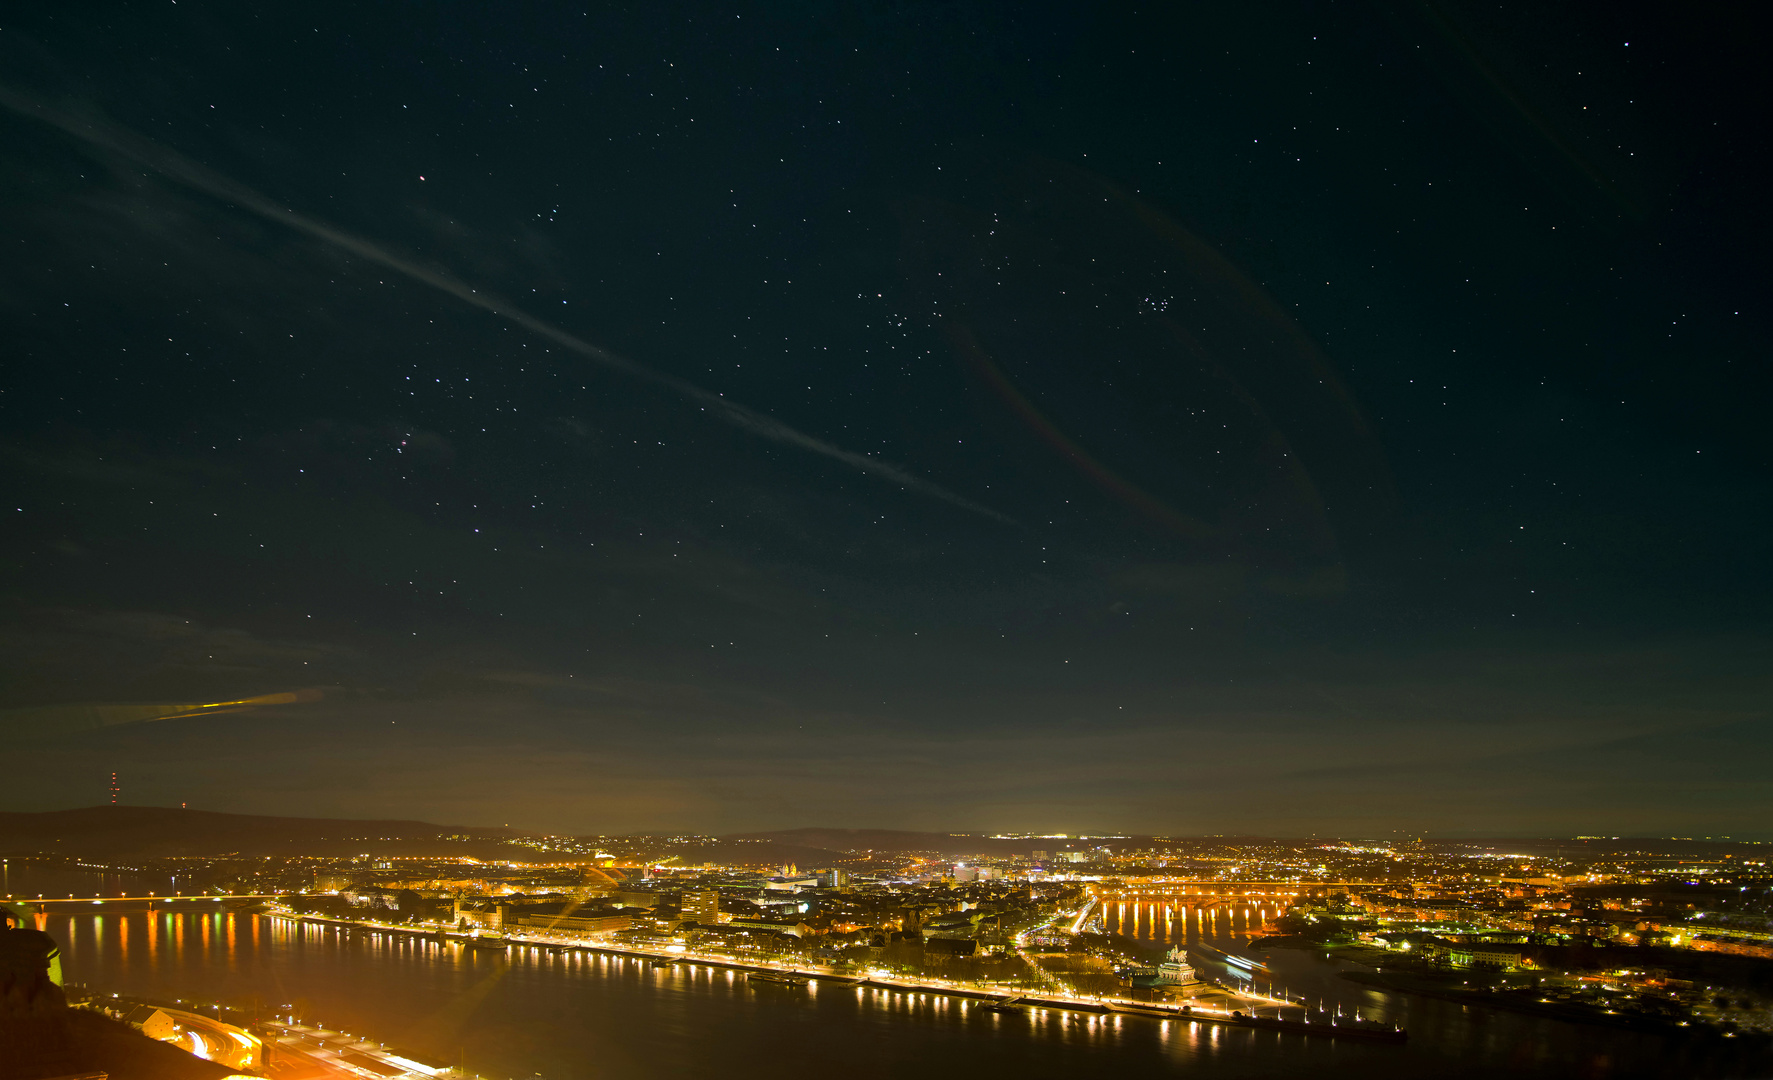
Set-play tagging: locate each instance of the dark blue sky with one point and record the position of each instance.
(1265, 417)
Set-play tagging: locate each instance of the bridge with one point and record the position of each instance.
(1197, 892)
(42, 902)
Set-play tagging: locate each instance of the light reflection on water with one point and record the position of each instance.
(576, 1015)
(1190, 922)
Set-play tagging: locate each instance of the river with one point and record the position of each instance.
(580, 1016)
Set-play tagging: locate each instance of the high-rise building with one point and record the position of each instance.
(702, 907)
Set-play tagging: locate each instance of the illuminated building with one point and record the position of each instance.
(701, 907)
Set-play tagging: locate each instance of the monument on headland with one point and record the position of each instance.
(1175, 970)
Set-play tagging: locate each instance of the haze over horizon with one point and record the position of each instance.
(1318, 420)
(122, 830)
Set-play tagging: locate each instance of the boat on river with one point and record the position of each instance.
(488, 941)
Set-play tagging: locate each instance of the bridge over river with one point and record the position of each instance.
(68, 904)
(1209, 892)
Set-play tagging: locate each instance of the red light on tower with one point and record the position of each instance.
(115, 790)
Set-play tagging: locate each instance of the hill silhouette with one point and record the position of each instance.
(154, 831)
(893, 840)
(146, 832)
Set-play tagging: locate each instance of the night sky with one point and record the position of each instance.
(1197, 418)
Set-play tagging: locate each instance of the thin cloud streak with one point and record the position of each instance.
(177, 167)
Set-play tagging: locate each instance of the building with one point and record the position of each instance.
(373, 897)
(152, 1021)
(789, 927)
(489, 916)
(1739, 946)
(571, 924)
(952, 923)
(203, 1036)
(702, 907)
(1491, 954)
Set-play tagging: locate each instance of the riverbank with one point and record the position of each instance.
(1517, 1002)
(574, 1015)
(1001, 998)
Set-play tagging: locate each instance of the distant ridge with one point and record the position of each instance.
(147, 832)
(155, 831)
(900, 840)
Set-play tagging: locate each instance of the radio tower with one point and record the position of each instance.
(114, 788)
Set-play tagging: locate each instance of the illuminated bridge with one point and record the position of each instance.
(1208, 892)
(42, 902)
